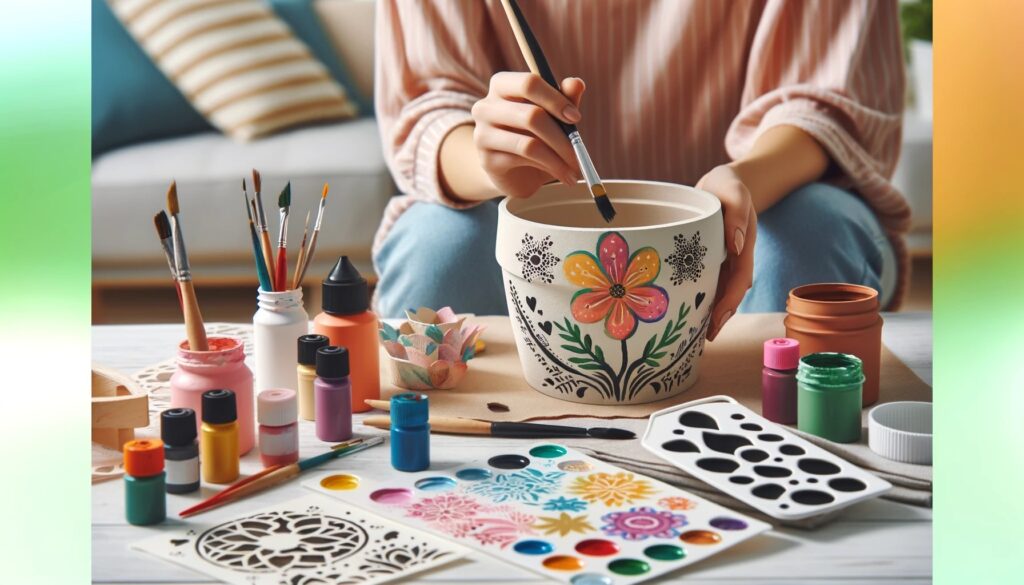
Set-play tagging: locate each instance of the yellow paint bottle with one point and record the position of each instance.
(306, 372)
(218, 437)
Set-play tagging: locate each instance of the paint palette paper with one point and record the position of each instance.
(556, 512)
(756, 461)
(310, 540)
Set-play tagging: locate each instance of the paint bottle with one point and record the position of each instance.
(278, 414)
(778, 380)
(333, 392)
(181, 451)
(347, 321)
(410, 432)
(829, 387)
(306, 371)
(279, 320)
(223, 367)
(218, 437)
(145, 501)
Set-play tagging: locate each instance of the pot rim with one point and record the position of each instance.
(868, 299)
(716, 207)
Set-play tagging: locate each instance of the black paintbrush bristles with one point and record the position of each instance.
(604, 205)
(163, 225)
(610, 433)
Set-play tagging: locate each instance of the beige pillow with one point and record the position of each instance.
(237, 63)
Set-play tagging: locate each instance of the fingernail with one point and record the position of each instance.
(738, 240)
(571, 114)
(722, 320)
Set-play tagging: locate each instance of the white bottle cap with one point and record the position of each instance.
(277, 407)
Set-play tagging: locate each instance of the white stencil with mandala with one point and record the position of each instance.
(312, 540)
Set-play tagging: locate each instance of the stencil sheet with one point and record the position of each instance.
(308, 541)
(554, 511)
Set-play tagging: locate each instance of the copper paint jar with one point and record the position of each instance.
(840, 318)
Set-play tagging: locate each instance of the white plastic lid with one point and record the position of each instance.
(277, 407)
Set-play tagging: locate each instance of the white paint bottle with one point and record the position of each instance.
(281, 319)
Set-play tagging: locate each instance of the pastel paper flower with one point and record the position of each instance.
(618, 287)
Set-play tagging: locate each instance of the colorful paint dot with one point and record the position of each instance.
(591, 579)
(665, 552)
(576, 466)
(341, 482)
(725, 523)
(700, 537)
(392, 496)
(628, 567)
(548, 451)
(508, 461)
(533, 547)
(563, 563)
(597, 547)
(435, 484)
(473, 474)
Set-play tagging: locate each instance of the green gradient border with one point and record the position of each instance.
(44, 303)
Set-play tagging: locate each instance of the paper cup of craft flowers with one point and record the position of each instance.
(611, 313)
(430, 350)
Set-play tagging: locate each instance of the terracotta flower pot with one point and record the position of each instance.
(840, 318)
(611, 313)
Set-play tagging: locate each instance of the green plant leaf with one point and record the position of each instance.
(580, 360)
(657, 356)
(587, 342)
(590, 366)
(574, 349)
(599, 353)
(567, 337)
(651, 363)
(650, 344)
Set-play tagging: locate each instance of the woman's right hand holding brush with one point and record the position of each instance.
(518, 144)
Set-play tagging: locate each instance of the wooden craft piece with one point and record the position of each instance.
(119, 406)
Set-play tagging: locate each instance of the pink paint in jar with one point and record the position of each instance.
(221, 368)
(778, 380)
(277, 411)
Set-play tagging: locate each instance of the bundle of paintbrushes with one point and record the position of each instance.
(173, 243)
(273, 273)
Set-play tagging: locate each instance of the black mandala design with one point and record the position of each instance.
(389, 559)
(537, 259)
(687, 259)
(278, 541)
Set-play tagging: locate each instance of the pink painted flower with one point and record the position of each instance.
(618, 287)
(643, 522)
(445, 509)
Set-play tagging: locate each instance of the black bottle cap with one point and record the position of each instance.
(308, 344)
(345, 291)
(178, 426)
(332, 362)
(219, 407)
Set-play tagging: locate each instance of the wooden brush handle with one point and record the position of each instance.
(194, 328)
(384, 405)
(268, 257)
(297, 278)
(311, 249)
(532, 52)
(449, 425)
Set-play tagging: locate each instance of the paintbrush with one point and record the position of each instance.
(261, 227)
(468, 426)
(163, 231)
(194, 328)
(261, 268)
(316, 231)
(276, 476)
(534, 57)
(302, 255)
(284, 202)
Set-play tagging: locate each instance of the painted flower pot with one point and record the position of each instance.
(611, 313)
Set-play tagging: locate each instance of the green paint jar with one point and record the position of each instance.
(829, 388)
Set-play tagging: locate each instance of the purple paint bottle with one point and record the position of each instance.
(778, 380)
(332, 392)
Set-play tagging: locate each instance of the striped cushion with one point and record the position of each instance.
(236, 62)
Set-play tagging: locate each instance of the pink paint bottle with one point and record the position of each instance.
(332, 391)
(778, 380)
(278, 413)
(222, 367)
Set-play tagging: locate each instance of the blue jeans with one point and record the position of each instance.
(437, 256)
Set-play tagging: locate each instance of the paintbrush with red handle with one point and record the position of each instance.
(284, 202)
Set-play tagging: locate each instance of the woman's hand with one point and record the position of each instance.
(519, 145)
(740, 220)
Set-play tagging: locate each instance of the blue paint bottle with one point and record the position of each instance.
(410, 432)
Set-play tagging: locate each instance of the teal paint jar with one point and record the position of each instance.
(829, 389)
(145, 500)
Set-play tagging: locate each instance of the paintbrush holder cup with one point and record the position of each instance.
(611, 313)
(840, 318)
(221, 368)
(276, 327)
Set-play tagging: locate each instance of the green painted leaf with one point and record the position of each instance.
(657, 356)
(590, 366)
(587, 342)
(650, 344)
(568, 337)
(599, 353)
(651, 363)
(580, 360)
(574, 349)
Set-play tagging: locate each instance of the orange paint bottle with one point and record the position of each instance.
(348, 322)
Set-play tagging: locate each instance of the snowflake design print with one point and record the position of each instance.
(563, 504)
(687, 259)
(537, 259)
(527, 485)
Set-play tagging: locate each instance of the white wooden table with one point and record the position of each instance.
(873, 542)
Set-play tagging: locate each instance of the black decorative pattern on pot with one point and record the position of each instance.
(687, 258)
(725, 443)
(537, 259)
